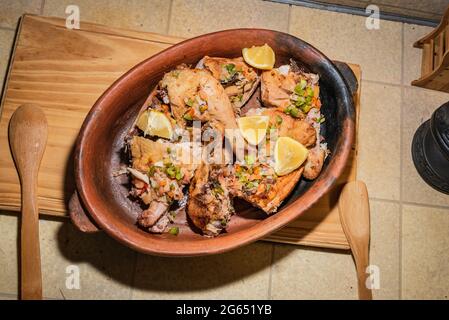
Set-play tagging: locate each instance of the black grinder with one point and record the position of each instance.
(430, 149)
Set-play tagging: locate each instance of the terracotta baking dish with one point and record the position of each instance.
(98, 149)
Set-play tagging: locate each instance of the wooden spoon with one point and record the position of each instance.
(353, 206)
(28, 137)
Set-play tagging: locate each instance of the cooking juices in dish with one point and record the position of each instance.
(197, 143)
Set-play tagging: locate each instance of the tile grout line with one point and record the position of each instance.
(384, 200)
(432, 206)
(401, 158)
(8, 28)
(42, 7)
(382, 83)
(270, 276)
(170, 9)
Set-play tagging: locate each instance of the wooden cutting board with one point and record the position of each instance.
(65, 71)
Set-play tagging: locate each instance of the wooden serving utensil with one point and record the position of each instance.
(353, 206)
(28, 137)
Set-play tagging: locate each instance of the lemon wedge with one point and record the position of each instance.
(155, 123)
(289, 155)
(259, 57)
(253, 128)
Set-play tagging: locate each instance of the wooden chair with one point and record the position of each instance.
(435, 57)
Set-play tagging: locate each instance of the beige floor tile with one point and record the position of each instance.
(11, 10)
(6, 42)
(105, 267)
(8, 254)
(195, 17)
(301, 273)
(412, 56)
(425, 247)
(385, 247)
(305, 273)
(379, 140)
(151, 15)
(418, 105)
(239, 274)
(345, 37)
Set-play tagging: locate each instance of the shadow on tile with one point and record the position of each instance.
(99, 251)
(242, 273)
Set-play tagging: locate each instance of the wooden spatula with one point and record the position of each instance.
(353, 206)
(28, 137)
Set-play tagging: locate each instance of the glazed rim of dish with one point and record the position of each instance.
(153, 245)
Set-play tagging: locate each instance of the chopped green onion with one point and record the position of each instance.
(320, 119)
(187, 117)
(249, 159)
(174, 231)
(230, 68)
(306, 108)
(294, 112)
(308, 99)
(179, 175)
(151, 171)
(300, 101)
(189, 102)
(309, 92)
(278, 119)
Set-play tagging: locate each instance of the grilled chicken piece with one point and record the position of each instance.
(195, 94)
(239, 79)
(150, 216)
(209, 205)
(258, 185)
(314, 163)
(145, 151)
(317, 155)
(276, 88)
(287, 126)
(160, 171)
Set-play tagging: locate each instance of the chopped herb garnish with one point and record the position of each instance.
(151, 171)
(309, 99)
(300, 101)
(230, 68)
(188, 117)
(179, 175)
(249, 159)
(279, 119)
(169, 150)
(224, 222)
(309, 92)
(189, 102)
(306, 108)
(203, 108)
(174, 231)
(294, 112)
(320, 119)
(171, 171)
